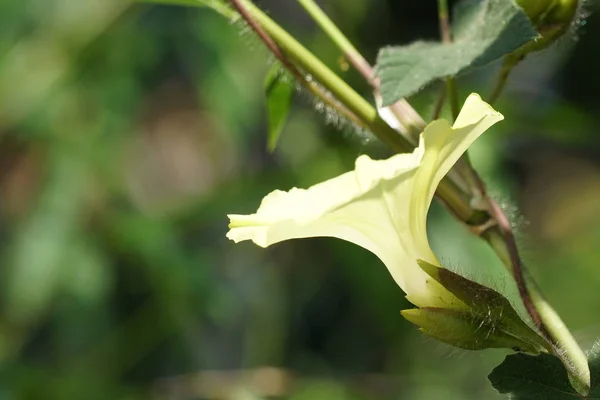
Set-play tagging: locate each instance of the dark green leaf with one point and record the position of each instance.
(541, 377)
(484, 34)
(279, 89)
(464, 18)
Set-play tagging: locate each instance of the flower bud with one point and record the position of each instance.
(551, 18)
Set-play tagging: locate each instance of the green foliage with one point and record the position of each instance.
(218, 5)
(279, 89)
(542, 377)
(491, 30)
(36, 275)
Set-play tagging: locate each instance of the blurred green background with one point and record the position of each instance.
(129, 131)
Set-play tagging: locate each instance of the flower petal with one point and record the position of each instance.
(367, 206)
(381, 205)
(442, 146)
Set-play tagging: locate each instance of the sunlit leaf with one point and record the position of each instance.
(488, 32)
(279, 89)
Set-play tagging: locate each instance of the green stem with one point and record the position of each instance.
(444, 21)
(439, 104)
(340, 89)
(453, 96)
(548, 321)
(411, 123)
(310, 85)
(450, 194)
(341, 41)
(567, 349)
(507, 66)
(446, 33)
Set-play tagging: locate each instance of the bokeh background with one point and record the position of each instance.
(129, 131)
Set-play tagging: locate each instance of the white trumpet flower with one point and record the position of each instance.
(381, 205)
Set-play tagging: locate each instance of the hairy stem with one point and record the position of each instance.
(410, 122)
(514, 261)
(321, 73)
(547, 320)
(566, 347)
(334, 33)
(301, 78)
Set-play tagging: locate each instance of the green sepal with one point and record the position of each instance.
(465, 330)
(490, 318)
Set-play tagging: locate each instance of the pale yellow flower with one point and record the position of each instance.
(381, 205)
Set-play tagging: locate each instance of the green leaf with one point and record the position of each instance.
(485, 31)
(217, 5)
(542, 377)
(279, 89)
